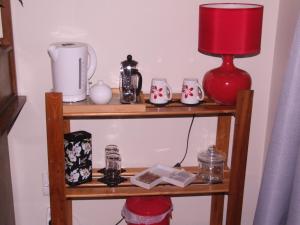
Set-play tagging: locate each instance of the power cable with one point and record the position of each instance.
(120, 221)
(187, 143)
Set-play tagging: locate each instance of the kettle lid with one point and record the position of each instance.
(69, 44)
(129, 62)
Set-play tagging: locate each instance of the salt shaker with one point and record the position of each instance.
(211, 165)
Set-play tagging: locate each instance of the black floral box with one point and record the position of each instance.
(78, 157)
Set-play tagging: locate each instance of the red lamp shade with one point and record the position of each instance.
(228, 29)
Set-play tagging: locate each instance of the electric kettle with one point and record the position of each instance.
(73, 64)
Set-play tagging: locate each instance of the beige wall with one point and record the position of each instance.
(162, 36)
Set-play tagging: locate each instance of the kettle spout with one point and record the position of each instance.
(52, 51)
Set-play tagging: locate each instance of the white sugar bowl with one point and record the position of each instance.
(100, 93)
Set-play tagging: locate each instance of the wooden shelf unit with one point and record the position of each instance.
(58, 116)
(96, 189)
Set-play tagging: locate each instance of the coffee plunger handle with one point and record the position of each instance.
(140, 82)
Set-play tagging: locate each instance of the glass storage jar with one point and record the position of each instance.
(211, 165)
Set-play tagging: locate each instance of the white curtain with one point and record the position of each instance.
(279, 197)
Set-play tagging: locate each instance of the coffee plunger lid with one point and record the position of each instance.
(129, 62)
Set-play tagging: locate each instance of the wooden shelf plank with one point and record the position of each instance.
(175, 108)
(123, 192)
(95, 189)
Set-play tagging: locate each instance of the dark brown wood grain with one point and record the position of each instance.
(223, 135)
(10, 107)
(7, 39)
(6, 91)
(6, 203)
(222, 144)
(10, 112)
(239, 157)
(12, 74)
(60, 207)
(8, 84)
(216, 209)
(67, 127)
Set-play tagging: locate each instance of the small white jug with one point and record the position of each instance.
(100, 93)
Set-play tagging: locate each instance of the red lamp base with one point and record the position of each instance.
(223, 84)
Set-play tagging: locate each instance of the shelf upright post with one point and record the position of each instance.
(222, 144)
(7, 39)
(61, 208)
(239, 157)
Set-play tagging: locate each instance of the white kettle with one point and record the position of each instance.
(73, 64)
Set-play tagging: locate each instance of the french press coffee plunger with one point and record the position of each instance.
(130, 81)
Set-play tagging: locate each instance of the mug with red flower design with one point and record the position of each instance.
(160, 92)
(192, 92)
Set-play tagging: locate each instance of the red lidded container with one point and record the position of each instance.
(147, 210)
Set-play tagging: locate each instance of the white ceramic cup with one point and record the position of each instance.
(192, 92)
(160, 92)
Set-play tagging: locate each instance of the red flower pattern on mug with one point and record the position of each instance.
(157, 92)
(187, 91)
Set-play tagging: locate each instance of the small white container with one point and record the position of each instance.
(100, 93)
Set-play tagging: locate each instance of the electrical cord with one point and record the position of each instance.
(187, 143)
(120, 221)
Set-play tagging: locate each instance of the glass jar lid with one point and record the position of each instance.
(212, 155)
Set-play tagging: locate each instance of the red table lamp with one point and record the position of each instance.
(228, 29)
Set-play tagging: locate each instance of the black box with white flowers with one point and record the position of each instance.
(78, 157)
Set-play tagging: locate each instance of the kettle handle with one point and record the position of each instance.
(52, 52)
(92, 62)
(140, 82)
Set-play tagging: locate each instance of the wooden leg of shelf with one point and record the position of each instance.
(223, 134)
(61, 215)
(7, 214)
(67, 129)
(217, 206)
(239, 158)
(67, 126)
(61, 209)
(68, 212)
(222, 144)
